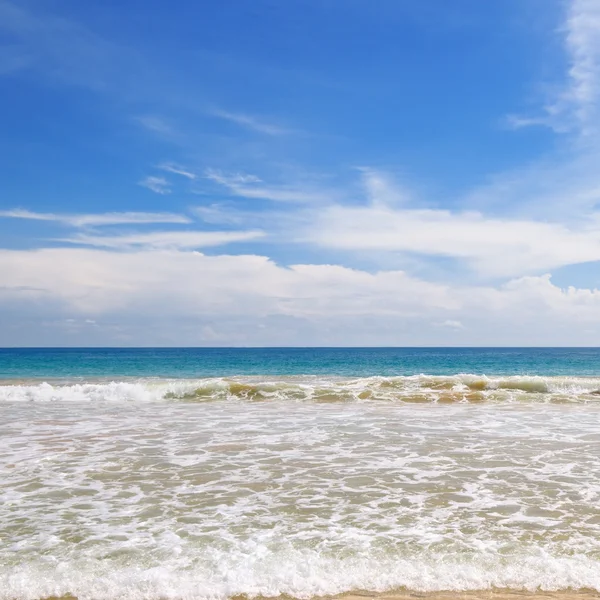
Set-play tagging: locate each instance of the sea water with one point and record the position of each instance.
(188, 473)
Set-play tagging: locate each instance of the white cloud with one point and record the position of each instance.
(251, 122)
(19, 213)
(127, 218)
(97, 219)
(520, 122)
(176, 295)
(232, 179)
(492, 246)
(165, 239)
(158, 185)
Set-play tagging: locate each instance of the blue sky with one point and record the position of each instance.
(308, 172)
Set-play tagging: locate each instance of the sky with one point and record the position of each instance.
(300, 173)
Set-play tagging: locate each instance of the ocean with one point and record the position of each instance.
(216, 473)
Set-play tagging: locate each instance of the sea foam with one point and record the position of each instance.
(298, 486)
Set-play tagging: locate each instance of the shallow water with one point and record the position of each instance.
(299, 486)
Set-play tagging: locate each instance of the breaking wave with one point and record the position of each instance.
(299, 575)
(464, 388)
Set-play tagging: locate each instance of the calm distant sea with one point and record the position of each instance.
(76, 363)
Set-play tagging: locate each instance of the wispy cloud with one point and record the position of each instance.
(220, 214)
(583, 44)
(156, 124)
(177, 170)
(576, 105)
(159, 185)
(246, 186)
(97, 219)
(165, 239)
(492, 246)
(521, 122)
(232, 179)
(59, 48)
(564, 184)
(380, 189)
(281, 224)
(252, 122)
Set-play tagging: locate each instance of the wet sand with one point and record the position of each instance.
(478, 595)
(474, 595)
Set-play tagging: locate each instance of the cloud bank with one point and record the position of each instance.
(249, 300)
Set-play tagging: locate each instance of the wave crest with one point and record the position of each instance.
(464, 388)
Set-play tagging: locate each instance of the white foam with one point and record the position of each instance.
(297, 574)
(114, 391)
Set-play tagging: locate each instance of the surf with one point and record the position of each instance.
(459, 388)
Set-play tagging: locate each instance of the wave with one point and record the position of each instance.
(460, 388)
(299, 575)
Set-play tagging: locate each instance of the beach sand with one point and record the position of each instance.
(478, 595)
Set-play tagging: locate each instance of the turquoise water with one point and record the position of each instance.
(67, 363)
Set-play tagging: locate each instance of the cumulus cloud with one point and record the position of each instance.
(314, 304)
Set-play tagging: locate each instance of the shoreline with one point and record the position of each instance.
(506, 594)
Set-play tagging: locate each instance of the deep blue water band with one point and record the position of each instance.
(81, 363)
